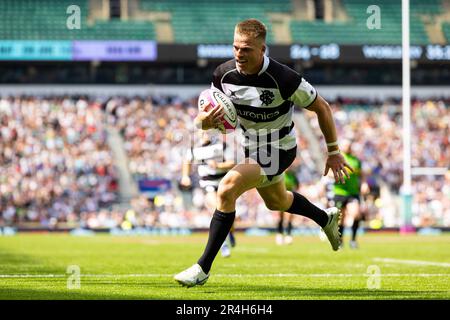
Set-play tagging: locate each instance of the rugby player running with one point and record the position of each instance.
(264, 92)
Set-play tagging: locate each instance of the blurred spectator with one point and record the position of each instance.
(58, 171)
(376, 130)
(54, 158)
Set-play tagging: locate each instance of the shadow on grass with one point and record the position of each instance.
(41, 294)
(168, 291)
(283, 292)
(14, 263)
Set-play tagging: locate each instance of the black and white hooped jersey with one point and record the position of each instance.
(216, 150)
(264, 101)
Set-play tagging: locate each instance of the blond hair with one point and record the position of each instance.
(253, 28)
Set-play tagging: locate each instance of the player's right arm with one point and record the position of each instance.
(209, 119)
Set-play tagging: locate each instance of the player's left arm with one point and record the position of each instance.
(186, 169)
(335, 162)
(304, 95)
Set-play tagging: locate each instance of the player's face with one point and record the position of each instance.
(249, 53)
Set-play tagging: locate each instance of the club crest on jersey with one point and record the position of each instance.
(267, 97)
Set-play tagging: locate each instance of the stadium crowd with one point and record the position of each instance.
(55, 163)
(375, 127)
(58, 169)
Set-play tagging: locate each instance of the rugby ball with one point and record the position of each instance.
(217, 98)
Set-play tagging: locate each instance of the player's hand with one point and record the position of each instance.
(210, 119)
(185, 181)
(339, 166)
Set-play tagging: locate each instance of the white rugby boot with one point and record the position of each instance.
(288, 240)
(279, 240)
(331, 230)
(225, 249)
(192, 276)
(354, 244)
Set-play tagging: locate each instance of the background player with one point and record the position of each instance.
(214, 159)
(347, 196)
(292, 184)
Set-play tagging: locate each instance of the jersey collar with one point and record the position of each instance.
(265, 65)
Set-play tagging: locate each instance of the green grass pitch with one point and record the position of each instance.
(34, 266)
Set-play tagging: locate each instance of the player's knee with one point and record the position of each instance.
(277, 201)
(276, 205)
(227, 191)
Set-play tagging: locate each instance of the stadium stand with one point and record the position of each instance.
(360, 120)
(59, 170)
(56, 165)
(189, 21)
(446, 30)
(46, 20)
(382, 159)
(355, 31)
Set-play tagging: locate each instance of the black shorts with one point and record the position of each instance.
(272, 160)
(342, 201)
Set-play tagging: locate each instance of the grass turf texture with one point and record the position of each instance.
(33, 266)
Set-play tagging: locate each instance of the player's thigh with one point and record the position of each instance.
(244, 176)
(275, 196)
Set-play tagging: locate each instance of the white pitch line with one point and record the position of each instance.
(268, 275)
(414, 262)
(33, 276)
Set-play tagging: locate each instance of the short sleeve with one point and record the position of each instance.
(215, 84)
(304, 95)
